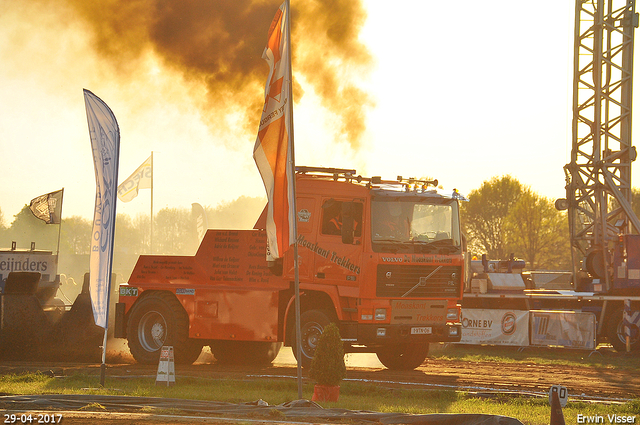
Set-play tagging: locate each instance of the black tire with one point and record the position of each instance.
(403, 356)
(159, 319)
(312, 324)
(616, 335)
(245, 352)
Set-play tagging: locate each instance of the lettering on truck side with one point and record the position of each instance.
(332, 256)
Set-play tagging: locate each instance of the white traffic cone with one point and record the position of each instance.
(166, 368)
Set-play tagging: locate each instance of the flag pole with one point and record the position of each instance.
(294, 227)
(103, 366)
(151, 235)
(59, 229)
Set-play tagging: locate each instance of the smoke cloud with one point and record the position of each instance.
(219, 44)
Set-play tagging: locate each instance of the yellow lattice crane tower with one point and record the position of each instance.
(599, 175)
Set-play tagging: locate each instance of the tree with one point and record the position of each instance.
(76, 236)
(537, 232)
(3, 230)
(241, 213)
(26, 228)
(483, 217)
(635, 201)
(3, 226)
(174, 232)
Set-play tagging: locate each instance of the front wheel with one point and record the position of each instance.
(156, 320)
(312, 324)
(616, 332)
(403, 356)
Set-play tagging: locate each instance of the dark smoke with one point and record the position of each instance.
(220, 42)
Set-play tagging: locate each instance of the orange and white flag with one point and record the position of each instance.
(273, 151)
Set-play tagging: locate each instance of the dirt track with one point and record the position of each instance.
(465, 375)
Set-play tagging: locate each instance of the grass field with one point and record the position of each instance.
(355, 395)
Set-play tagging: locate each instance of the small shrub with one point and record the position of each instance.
(327, 366)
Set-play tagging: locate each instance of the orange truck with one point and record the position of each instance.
(381, 258)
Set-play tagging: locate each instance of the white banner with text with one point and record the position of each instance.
(495, 327)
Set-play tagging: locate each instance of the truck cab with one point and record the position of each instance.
(388, 254)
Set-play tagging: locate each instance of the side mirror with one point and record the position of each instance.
(348, 223)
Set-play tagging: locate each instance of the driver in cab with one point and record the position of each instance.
(391, 223)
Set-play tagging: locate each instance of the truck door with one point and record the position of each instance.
(307, 219)
(338, 261)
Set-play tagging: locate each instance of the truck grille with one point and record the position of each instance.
(395, 280)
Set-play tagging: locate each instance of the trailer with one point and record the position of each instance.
(34, 323)
(42, 262)
(586, 317)
(381, 258)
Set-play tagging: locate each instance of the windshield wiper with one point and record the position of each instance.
(440, 244)
(390, 240)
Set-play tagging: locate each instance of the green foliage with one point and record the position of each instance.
(504, 217)
(22, 378)
(174, 232)
(635, 201)
(327, 366)
(26, 228)
(537, 232)
(483, 217)
(3, 226)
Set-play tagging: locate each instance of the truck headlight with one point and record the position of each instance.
(380, 332)
(381, 314)
(366, 314)
(452, 314)
(453, 331)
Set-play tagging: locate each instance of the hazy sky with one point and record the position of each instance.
(459, 91)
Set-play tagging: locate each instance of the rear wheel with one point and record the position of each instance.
(403, 356)
(245, 352)
(312, 324)
(616, 332)
(156, 320)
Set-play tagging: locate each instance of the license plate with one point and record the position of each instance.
(423, 330)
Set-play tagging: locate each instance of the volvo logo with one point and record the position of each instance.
(388, 275)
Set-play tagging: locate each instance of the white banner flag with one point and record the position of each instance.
(140, 179)
(105, 143)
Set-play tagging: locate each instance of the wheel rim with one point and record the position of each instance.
(152, 331)
(310, 336)
(633, 331)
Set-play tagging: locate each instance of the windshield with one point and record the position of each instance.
(416, 225)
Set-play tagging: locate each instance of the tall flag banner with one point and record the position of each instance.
(273, 150)
(105, 143)
(140, 179)
(48, 207)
